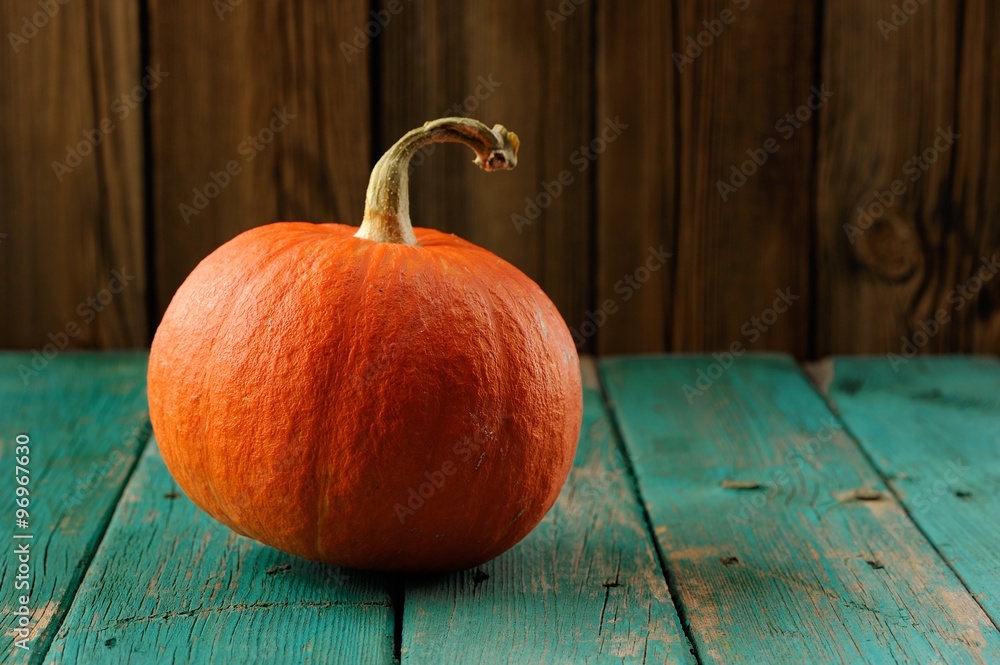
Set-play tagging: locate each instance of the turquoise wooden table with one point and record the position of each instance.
(764, 513)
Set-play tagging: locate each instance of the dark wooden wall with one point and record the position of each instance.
(557, 71)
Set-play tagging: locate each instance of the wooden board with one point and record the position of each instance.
(636, 180)
(783, 538)
(975, 203)
(206, 595)
(584, 586)
(86, 419)
(63, 233)
(233, 73)
(784, 548)
(933, 429)
(892, 264)
(733, 255)
(558, 73)
(500, 63)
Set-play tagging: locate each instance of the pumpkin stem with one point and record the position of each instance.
(387, 203)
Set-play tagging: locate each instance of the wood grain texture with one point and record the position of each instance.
(975, 200)
(636, 176)
(701, 87)
(500, 63)
(231, 77)
(169, 584)
(733, 254)
(784, 543)
(63, 233)
(933, 429)
(87, 422)
(584, 586)
(880, 276)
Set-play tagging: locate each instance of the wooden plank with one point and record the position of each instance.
(73, 212)
(636, 178)
(500, 63)
(975, 203)
(238, 70)
(170, 584)
(887, 260)
(933, 429)
(584, 586)
(86, 420)
(733, 104)
(784, 543)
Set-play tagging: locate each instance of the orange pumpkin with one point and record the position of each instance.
(381, 398)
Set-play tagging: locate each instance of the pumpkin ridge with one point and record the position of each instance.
(273, 257)
(171, 312)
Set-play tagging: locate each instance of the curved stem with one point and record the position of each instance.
(387, 203)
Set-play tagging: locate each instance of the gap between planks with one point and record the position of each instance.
(816, 377)
(145, 435)
(665, 570)
(820, 375)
